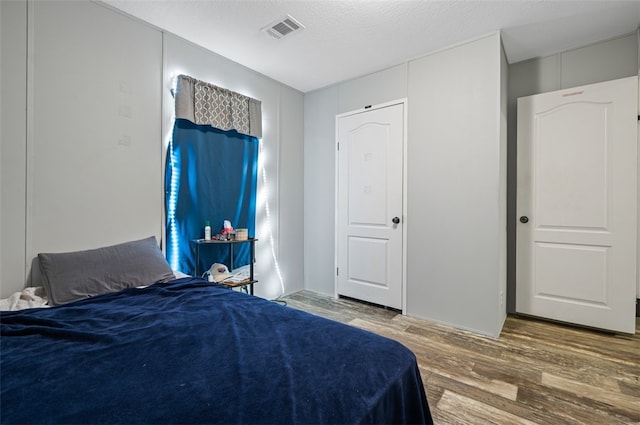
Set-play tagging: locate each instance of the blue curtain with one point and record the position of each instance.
(210, 174)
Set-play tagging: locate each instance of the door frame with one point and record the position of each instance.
(404, 218)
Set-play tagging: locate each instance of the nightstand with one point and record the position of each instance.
(201, 243)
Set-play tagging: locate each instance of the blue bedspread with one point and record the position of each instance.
(191, 352)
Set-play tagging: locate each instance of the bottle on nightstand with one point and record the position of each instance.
(207, 231)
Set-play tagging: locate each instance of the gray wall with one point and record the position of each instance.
(607, 60)
(83, 142)
(320, 109)
(13, 85)
(454, 224)
(94, 112)
(456, 230)
(68, 131)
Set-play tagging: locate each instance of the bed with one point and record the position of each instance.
(189, 351)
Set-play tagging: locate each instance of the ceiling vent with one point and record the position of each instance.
(283, 27)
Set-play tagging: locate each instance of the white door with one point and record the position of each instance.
(369, 206)
(576, 205)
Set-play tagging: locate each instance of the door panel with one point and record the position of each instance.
(577, 185)
(366, 147)
(370, 161)
(572, 272)
(576, 196)
(360, 269)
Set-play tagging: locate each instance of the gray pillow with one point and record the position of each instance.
(76, 275)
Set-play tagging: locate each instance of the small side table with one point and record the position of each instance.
(252, 241)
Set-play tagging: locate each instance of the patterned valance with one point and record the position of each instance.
(204, 103)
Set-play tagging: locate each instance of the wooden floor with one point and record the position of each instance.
(536, 372)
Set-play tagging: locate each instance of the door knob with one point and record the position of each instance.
(524, 219)
(395, 220)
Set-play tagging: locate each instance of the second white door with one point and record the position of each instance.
(576, 239)
(369, 205)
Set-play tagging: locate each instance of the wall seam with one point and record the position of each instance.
(28, 199)
(163, 79)
(1, 226)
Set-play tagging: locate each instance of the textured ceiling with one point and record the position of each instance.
(347, 39)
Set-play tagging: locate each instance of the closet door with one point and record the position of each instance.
(577, 207)
(369, 210)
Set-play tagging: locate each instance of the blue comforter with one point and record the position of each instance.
(191, 352)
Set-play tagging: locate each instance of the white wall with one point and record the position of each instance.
(456, 228)
(454, 222)
(94, 111)
(320, 109)
(380, 87)
(607, 60)
(13, 83)
(89, 167)
(291, 194)
(68, 133)
(1, 164)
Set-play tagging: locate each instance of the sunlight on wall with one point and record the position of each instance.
(265, 227)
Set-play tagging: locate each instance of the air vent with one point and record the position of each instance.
(283, 27)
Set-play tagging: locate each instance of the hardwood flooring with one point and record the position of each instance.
(536, 372)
